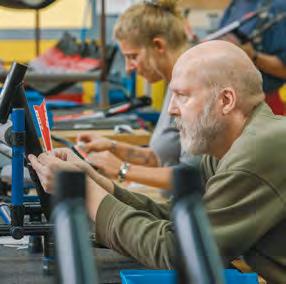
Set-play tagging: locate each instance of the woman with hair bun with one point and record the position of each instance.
(151, 36)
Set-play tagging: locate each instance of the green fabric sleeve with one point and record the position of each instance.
(135, 233)
(142, 202)
(241, 208)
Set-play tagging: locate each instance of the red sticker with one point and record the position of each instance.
(42, 117)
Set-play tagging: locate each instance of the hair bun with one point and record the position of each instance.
(168, 5)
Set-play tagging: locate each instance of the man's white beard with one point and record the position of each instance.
(197, 138)
(192, 142)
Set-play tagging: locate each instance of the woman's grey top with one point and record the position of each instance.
(165, 141)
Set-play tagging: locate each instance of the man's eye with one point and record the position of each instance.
(183, 98)
(131, 56)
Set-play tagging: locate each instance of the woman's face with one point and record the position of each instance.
(141, 60)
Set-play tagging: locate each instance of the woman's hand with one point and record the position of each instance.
(92, 142)
(106, 163)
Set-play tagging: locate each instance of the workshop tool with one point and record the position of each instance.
(13, 96)
(75, 261)
(198, 259)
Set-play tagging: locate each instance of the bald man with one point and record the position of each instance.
(218, 105)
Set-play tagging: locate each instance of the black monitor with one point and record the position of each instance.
(13, 96)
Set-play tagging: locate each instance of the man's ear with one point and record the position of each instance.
(228, 100)
(159, 44)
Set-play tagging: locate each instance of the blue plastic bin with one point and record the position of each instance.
(147, 276)
(232, 276)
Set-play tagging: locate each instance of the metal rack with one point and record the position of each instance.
(101, 75)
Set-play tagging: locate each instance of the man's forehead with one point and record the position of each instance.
(180, 84)
(179, 67)
(185, 68)
(181, 79)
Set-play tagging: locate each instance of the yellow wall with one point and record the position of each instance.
(158, 91)
(204, 4)
(61, 14)
(21, 50)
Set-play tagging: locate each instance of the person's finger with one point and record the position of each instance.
(45, 158)
(91, 158)
(84, 137)
(88, 147)
(62, 153)
(95, 160)
(37, 166)
(59, 153)
(34, 161)
(51, 153)
(98, 166)
(43, 172)
(31, 156)
(106, 154)
(49, 160)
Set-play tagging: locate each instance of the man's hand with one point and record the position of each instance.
(47, 165)
(93, 142)
(66, 154)
(106, 162)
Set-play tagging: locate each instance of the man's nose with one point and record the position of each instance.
(173, 108)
